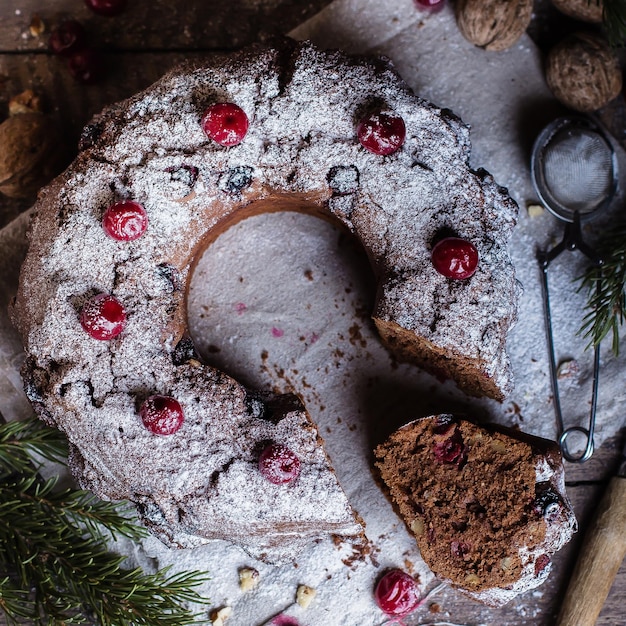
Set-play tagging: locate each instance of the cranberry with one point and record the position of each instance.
(85, 65)
(69, 37)
(103, 317)
(459, 548)
(162, 415)
(541, 563)
(430, 5)
(381, 133)
(397, 593)
(125, 221)
(225, 123)
(455, 258)
(284, 620)
(107, 8)
(451, 450)
(279, 464)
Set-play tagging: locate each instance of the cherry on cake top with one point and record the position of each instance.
(279, 464)
(397, 593)
(161, 415)
(108, 8)
(125, 221)
(225, 123)
(381, 132)
(67, 38)
(430, 5)
(454, 257)
(103, 317)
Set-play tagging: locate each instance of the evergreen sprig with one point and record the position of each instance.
(614, 19)
(55, 567)
(606, 287)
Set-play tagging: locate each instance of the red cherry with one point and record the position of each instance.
(125, 221)
(103, 317)
(430, 5)
(455, 258)
(225, 123)
(86, 65)
(279, 464)
(162, 415)
(381, 133)
(107, 8)
(69, 37)
(541, 563)
(397, 593)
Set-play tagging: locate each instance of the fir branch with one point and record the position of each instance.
(55, 568)
(614, 19)
(19, 441)
(606, 286)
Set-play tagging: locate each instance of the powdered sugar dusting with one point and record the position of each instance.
(202, 483)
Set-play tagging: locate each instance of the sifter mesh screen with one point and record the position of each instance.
(577, 169)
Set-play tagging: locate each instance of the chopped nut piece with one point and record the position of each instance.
(305, 595)
(498, 446)
(248, 578)
(535, 210)
(37, 26)
(567, 369)
(25, 102)
(506, 563)
(417, 527)
(221, 615)
(471, 580)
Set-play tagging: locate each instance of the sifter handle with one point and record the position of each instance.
(601, 556)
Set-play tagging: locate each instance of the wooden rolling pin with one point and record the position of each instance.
(601, 556)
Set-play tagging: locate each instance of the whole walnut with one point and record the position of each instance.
(583, 72)
(31, 153)
(584, 10)
(493, 24)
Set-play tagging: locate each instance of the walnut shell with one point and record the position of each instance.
(493, 24)
(583, 72)
(31, 153)
(584, 10)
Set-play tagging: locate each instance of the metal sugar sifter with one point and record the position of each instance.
(574, 172)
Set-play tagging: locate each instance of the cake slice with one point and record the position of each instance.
(487, 506)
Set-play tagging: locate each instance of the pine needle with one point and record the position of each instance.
(55, 567)
(606, 287)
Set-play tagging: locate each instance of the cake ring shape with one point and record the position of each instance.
(307, 114)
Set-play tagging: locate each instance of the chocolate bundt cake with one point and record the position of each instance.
(487, 507)
(101, 301)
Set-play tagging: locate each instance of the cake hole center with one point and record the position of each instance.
(282, 301)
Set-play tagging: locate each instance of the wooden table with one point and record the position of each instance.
(138, 46)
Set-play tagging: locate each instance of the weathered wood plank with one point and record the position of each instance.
(159, 24)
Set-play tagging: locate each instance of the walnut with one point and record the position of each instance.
(583, 72)
(493, 24)
(31, 154)
(584, 10)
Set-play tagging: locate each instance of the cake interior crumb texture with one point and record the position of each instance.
(486, 508)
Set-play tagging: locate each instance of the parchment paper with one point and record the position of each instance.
(281, 301)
